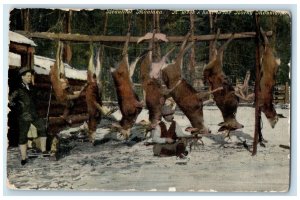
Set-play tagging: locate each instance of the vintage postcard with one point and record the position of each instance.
(149, 100)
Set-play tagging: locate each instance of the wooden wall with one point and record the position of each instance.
(55, 123)
(78, 114)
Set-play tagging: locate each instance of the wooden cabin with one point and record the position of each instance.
(21, 54)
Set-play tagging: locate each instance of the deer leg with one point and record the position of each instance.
(266, 41)
(227, 135)
(240, 96)
(166, 91)
(103, 110)
(223, 47)
(206, 94)
(261, 140)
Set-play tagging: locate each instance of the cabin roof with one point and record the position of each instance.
(42, 66)
(18, 38)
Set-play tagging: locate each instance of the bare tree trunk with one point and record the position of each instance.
(25, 19)
(192, 55)
(104, 76)
(156, 45)
(145, 23)
(68, 21)
(104, 33)
(274, 29)
(67, 51)
(211, 43)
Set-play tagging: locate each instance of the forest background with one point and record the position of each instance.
(239, 56)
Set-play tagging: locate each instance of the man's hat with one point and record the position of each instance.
(23, 70)
(167, 110)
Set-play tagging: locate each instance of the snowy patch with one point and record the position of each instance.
(14, 59)
(42, 66)
(120, 165)
(18, 38)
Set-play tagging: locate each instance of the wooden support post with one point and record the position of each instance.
(30, 56)
(27, 58)
(24, 60)
(257, 130)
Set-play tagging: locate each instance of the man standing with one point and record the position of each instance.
(165, 136)
(28, 118)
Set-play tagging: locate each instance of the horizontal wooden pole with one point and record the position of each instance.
(46, 86)
(76, 119)
(107, 38)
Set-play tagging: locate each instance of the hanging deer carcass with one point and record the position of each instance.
(60, 84)
(93, 95)
(155, 71)
(185, 96)
(225, 99)
(128, 100)
(269, 67)
(57, 76)
(154, 93)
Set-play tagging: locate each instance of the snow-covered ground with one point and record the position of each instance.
(113, 165)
